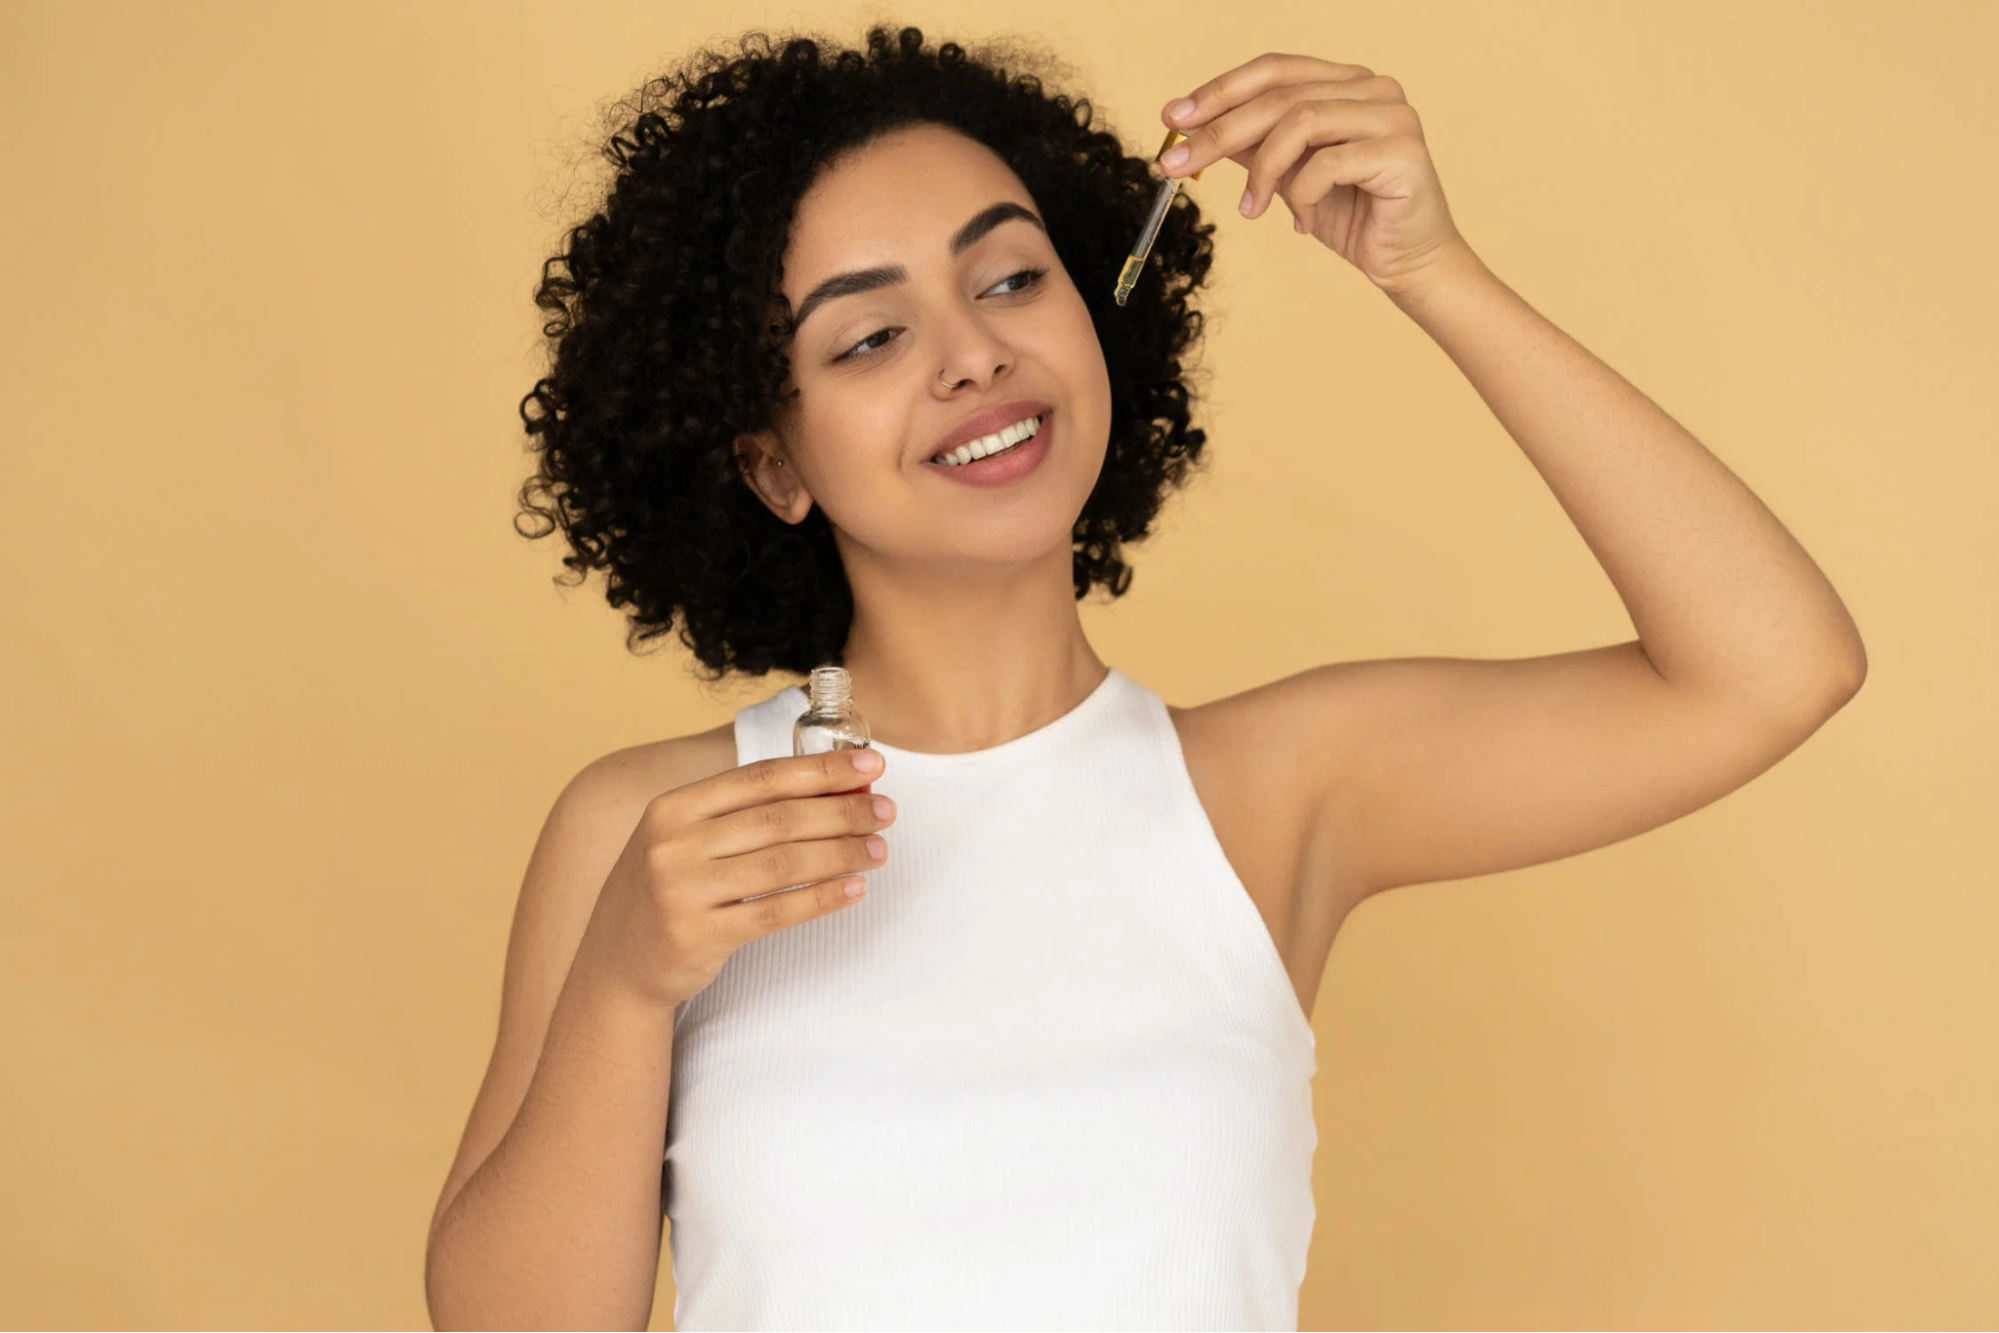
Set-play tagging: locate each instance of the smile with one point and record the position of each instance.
(1002, 441)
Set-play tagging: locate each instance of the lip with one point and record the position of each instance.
(1001, 469)
(987, 420)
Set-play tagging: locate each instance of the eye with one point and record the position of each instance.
(1033, 276)
(855, 353)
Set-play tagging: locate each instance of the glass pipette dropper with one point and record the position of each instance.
(1128, 278)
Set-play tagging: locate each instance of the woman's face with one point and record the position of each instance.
(871, 366)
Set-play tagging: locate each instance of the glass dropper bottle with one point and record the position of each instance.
(830, 722)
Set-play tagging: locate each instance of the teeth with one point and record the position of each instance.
(986, 445)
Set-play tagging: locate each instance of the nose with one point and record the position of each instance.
(972, 350)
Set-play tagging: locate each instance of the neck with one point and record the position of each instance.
(966, 658)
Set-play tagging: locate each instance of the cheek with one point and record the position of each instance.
(854, 441)
(1085, 374)
(1082, 354)
(1076, 331)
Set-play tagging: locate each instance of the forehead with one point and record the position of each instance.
(896, 199)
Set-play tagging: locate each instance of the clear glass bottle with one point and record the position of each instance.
(831, 721)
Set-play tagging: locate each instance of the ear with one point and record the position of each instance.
(758, 457)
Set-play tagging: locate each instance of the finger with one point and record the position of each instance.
(744, 922)
(1283, 189)
(1309, 125)
(1256, 77)
(1235, 134)
(787, 865)
(1379, 166)
(766, 780)
(855, 814)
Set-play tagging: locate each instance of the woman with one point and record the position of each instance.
(1053, 1069)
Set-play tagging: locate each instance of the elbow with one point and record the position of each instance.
(1856, 677)
(1847, 675)
(1812, 696)
(1853, 669)
(1852, 660)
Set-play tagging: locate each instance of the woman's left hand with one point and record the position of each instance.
(1340, 146)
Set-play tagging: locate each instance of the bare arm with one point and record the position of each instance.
(1726, 602)
(1442, 768)
(551, 1215)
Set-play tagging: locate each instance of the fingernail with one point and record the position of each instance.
(884, 807)
(1248, 198)
(867, 761)
(1175, 156)
(877, 849)
(1180, 109)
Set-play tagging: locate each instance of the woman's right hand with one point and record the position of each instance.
(672, 911)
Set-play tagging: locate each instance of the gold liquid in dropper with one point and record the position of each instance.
(1127, 278)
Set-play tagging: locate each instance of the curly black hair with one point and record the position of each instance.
(664, 350)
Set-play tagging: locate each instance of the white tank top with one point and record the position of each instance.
(1048, 1073)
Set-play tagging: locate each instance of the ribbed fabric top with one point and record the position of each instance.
(1049, 1073)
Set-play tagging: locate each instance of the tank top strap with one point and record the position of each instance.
(1190, 827)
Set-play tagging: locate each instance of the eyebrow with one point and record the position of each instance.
(887, 275)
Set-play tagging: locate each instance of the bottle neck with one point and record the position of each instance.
(830, 689)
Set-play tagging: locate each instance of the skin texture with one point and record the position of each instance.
(1324, 788)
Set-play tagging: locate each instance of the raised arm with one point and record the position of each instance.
(1444, 768)
(1441, 768)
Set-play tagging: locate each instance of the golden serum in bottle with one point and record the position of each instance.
(830, 722)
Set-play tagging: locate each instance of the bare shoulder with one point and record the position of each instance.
(593, 818)
(600, 806)
(641, 772)
(1281, 744)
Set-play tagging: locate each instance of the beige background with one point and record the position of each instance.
(286, 697)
